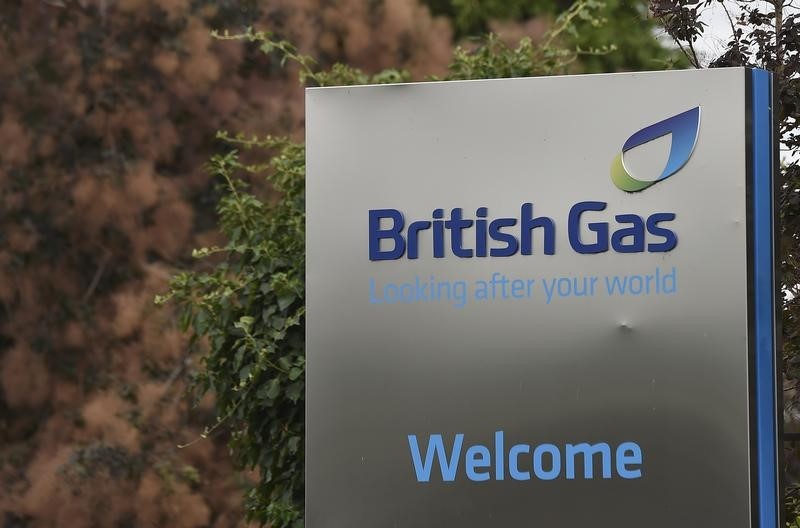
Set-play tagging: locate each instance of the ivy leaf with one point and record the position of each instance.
(295, 390)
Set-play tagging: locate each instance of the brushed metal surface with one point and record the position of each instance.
(666, 371)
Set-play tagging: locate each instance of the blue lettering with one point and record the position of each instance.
(670, 238)
(629, 453)
(636, 232)
(600, 243)
(456, 225)
(438, 233)
(513, 462)
(499, 470)
(481, 234)
(413, 237)
(390, 239)
(435, 449)
(555, 462)
(547, 460)
(588, 451)
(376, 234)
(529, 223)
(511, 244)
(616, 284)
(478, 456)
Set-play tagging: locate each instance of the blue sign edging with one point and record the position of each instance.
(764, 302)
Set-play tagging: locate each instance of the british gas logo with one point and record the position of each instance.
(590, 229)
(683, 128)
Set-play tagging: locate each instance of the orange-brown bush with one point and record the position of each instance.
(107, 117)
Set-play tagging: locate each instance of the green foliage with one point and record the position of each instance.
(624, 28)
(249, 306)
(494, 59)
(793, 506)
(338, 75)
(471, 17)
(633, 32)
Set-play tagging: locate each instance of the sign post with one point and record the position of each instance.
(543, 302)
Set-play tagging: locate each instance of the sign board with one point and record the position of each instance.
(542, 302)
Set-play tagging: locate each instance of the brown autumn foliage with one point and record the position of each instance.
(108, 111)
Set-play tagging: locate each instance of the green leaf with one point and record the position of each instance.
(285, 300)
(295, 390)
(273, 388)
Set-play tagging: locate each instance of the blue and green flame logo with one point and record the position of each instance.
(683, 127)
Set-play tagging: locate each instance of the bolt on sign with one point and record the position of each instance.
(543, 302)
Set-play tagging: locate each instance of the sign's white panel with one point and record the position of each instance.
(531, 303)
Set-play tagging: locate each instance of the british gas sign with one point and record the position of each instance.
(542, 301)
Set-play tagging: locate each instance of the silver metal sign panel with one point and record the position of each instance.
(542, 302)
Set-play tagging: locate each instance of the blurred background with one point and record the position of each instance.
(108, 114)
